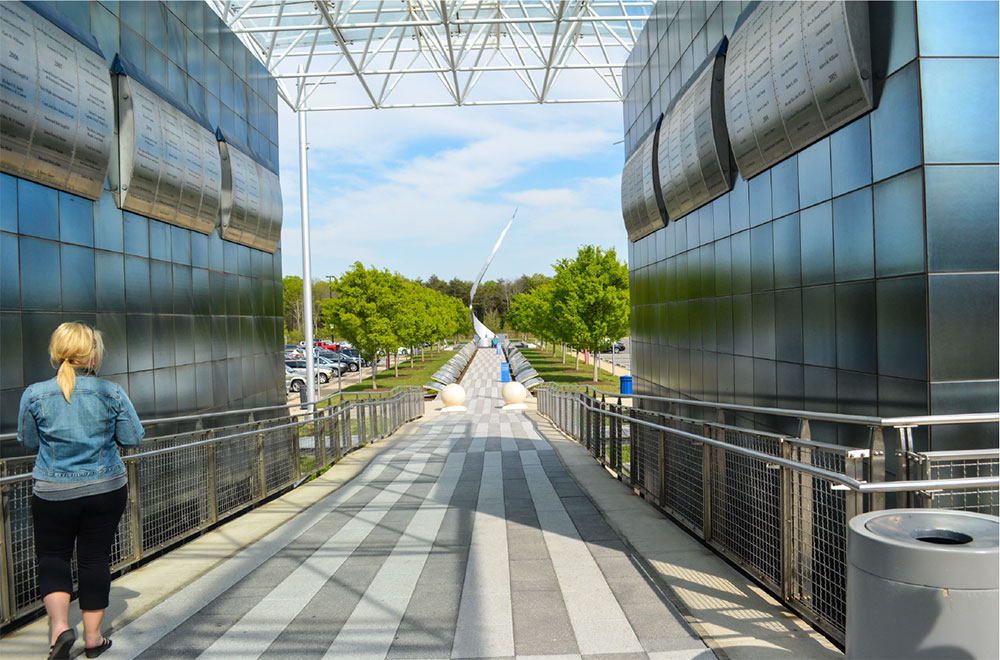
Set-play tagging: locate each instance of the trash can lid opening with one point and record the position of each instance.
(942, 537)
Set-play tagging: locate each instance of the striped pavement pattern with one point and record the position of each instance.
(466, 538)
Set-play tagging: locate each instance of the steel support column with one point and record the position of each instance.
(307, 310)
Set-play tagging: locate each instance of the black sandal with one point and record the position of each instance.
(64, 642)
(98, 650)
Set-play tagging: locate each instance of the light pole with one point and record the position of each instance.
(306, 262)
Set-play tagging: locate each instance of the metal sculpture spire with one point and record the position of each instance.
(484, 333)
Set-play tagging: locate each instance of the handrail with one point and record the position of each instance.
(895, 422)
(776, 505)
(241, 411)
(207, 441)
(960, 453)
(187, 482)
(843, 479)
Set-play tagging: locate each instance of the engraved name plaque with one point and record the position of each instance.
(168, 160)
(693, 154)
(640, 206)
(56, 105)
(251, 198)
(795, 72)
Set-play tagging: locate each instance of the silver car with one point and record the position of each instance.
(323, 373)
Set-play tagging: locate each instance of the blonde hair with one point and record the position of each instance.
(74, 346)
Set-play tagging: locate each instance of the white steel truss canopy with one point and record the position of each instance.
(361, 54)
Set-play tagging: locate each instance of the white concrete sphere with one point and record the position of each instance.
(514, 392)
(453, 395)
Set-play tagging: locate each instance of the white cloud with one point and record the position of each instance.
(428, 191)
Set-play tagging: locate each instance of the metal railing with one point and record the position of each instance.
(775, 505)
(181, 484)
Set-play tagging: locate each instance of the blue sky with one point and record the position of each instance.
(427, 191)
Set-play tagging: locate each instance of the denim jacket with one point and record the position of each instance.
(76, 441)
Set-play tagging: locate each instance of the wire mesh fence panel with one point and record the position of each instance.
(956, 465)
(310, 438)
(125, 547)
(21, 541)
(818, 516)
(683, 477)
(647, 457)
(345, 430)
(746, 505)
(818, 582)
(237, 479)
(786, 526)
(199, 478)
(279, 459)
(174, 495)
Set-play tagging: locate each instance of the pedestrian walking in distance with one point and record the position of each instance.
(76, 421)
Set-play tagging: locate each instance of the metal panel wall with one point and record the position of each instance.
(857, 275)
(191, 322)
(56, 113)
(640, 184)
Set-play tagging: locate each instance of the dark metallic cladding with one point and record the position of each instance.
(857, 275)
(168, 162)
(640, 206)
(693, 154)
(56, 107)
(251, 199)
(191, 322)
(795, 72)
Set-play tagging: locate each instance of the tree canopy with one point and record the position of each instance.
(379, 312)
(586, 304)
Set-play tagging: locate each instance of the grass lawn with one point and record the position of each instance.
(551, 368)
(416, 373)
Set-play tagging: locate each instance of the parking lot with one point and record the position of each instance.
(346, 379)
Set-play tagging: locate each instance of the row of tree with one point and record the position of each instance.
(585, 305)
(379, 312)
(492, 304)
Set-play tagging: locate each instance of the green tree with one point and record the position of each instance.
(294, 310)
(591, 298)
(536, 312)
(291, 286)
(458, 318)
(460, 289)
(363, 310)
(413, 321)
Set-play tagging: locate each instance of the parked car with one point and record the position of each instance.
(324, 373)
(352, 354)
(295, 381)
(351, 364)
(341, 366)
(607, 346)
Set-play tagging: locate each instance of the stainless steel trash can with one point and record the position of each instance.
(923, 583)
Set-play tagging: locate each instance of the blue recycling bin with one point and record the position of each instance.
(499, 349)
(626, 384)
(505, 372)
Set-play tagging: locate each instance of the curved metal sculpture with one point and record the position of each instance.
(484, 336)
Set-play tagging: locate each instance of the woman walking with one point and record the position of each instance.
(76, 423)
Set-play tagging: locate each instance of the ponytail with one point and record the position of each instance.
(74, 346)
(66, 378)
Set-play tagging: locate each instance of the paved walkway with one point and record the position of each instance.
(466, 539)
(463, 537)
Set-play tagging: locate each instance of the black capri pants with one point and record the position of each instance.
(90, 522)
